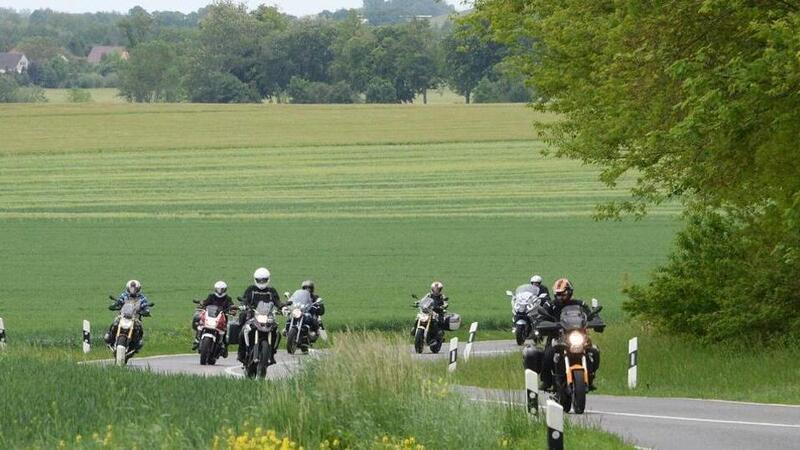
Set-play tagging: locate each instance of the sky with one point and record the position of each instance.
(293, 7)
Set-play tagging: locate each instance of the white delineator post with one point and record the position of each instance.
(87, 337)
(2, 334)
(468, 349)
(633, 362)
(532, 392)
(453, 355)
(555, 426)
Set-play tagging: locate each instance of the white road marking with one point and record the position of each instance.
(694, 419)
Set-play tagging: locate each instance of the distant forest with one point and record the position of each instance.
(385, 52)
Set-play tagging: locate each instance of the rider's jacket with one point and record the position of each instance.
(554, 309)
(125, 296)
(253, 295)
(223, 303)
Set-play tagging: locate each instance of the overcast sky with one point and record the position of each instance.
(293, 7)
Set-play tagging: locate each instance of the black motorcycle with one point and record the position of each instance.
(127, 330)
(303, 321)
(261, 339)
(430, 326)
(569, 338)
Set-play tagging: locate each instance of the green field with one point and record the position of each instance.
(179, 196)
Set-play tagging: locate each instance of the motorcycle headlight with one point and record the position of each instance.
(262, 318)
(211, 322)
(423, 317)
(296, 313)
(125, 323)
(576, 339)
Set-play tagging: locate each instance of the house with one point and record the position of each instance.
(13, 62)
(100, 51)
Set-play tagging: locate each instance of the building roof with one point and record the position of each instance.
(9, 61)
(99, 51)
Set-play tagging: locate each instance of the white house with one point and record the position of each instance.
(13, 62)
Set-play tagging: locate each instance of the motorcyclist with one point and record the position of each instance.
(563, 291)
(317, 311)
(536, 281)
(260, 291)
(440, 303)
(132, 292)
(219, 298)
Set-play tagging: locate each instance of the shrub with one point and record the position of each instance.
(12, 92)
(380, 90)
(304, 91)
(504, 89)
(79, 96)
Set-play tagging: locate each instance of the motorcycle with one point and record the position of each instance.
(127, 330)
(302, 316)
(260, 339)
(428, 329)
(524, 304)
(212, 327)
(569, 338)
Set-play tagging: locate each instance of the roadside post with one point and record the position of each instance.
(633, 362)
(555, 426)
(87, 337)
(532, 392)
(453, 355)
(468, 348)
(2, 334)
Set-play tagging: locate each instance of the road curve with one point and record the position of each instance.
(657, 423)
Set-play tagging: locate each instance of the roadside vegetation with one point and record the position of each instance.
(369, 394)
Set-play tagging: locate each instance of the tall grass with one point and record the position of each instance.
(367, 389)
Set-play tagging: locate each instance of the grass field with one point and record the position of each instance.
(362, 397)
(169, 196)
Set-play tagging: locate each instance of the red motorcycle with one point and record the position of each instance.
(213, 329)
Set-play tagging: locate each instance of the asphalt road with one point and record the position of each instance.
(657, 423)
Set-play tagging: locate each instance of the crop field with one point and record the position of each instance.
(179, 196)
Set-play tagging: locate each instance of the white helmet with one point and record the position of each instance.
(536, 279)
(261, 277)
(220, 289)
(133, 287)
(436, 287)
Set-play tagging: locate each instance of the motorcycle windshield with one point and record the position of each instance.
(129, 309)
(265, 308)
(573, 318)
(426, 304)
(527, 288)
(301, 299)
(212, 310)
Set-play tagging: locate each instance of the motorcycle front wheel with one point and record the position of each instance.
(519, 334)
(206, 347)
(578, 392)
(264, 356)
(419, 340)
(291, 341)
(121, 351)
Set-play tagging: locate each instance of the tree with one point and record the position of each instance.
(151, 74)
(470, 54)
(698, 101)
(381, 91)
(137, 26)
(385, 12)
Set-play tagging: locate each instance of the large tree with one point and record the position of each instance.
(697, 100)
(470, 54)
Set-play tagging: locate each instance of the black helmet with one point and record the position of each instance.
(308, 285)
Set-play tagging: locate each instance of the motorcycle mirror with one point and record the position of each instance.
(151, 304)
(509, 293)
(414, 296)
(286, 294)
(196, 302)
(598, 309)
(111, 297)
(595, 303)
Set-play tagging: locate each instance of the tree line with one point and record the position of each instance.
(385, 52)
